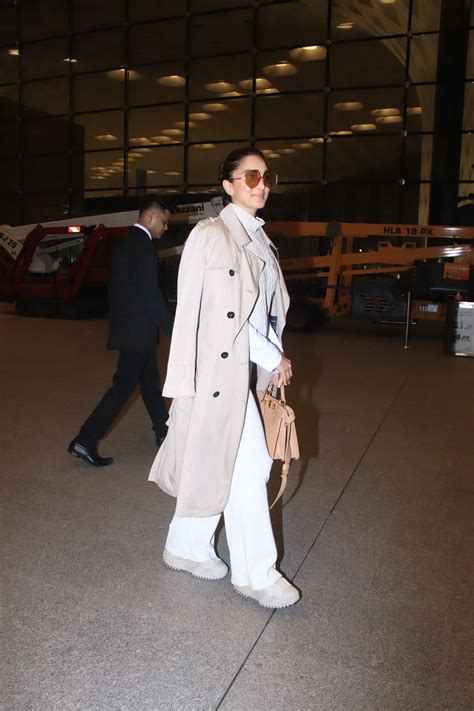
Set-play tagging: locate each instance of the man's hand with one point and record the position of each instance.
(284, 373)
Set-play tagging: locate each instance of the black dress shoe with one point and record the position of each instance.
(88, 454)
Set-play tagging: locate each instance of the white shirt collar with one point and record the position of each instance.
(144, 230)
(251, 223)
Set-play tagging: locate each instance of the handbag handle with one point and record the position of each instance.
(281, 389)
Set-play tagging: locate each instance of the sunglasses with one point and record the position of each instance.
(253, 177)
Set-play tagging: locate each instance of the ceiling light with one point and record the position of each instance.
(217, 87)
(200, 116)
(139, 139)
(232, 93)
(260, 83)
(303, 146)
(142, 151)
(182, 124)
(135, 154)
(349, 106)
(287, 151)
(414, 111)
(151, 172)
(172, 172)
(273, 155)
(216, 107)
(119, 74)
(272, 90)
(280, 69)
(161, 139)
(71, 60)
(172, 131)
(388, 119)
(172, 80)
(266, 151)
(345, 26)
(14, 52)
(318, 139)
(107, 137)
(364, 127)
(387, 2)
(340, 133)
(312, 53)
(204, 146)
(385, 112)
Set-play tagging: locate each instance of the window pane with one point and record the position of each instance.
(44, 18)
(10, 176)
(420, 108)
(152, 10)
(377, 20)
(46, 136)
(362, 203)
(98, 91)
(158, 83)
(43, 207)
(382, 108)
(375, 62)
(102, 130)
(103, 169)
(156, 125)
(8, 102)
(294, 160)
(364, 158)
(157, 41)
(50, 96)
(425, 16)
(418, 157)
(293, 70)
(8, 65)
(93, 15)
(206, 159)
(468, 123)
(220, 77)
(296, 23)
(298, 115)
(226, 120)
(10, 210)
(98, 50)
(424, 58)
(203, 5)
(43, 59)
(156, 166)
(46, 172)
(221, 32)
(8, 25)
(470, 57)
(8, 140)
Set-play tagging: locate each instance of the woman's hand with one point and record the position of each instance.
(283, 372)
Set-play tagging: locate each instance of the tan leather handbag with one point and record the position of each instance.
(280, 431)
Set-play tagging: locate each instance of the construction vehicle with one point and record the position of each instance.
(331, 268)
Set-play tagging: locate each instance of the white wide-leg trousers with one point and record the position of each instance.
(247, 518)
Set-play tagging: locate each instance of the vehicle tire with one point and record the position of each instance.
(22, 308)
(300, 316)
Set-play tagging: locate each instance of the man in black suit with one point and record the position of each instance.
(137, 311)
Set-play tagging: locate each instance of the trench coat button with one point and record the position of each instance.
(216, 394)
(230, 314)
(224, 355)
(231, 272)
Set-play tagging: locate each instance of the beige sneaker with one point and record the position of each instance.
(212, 569)
(280, 594)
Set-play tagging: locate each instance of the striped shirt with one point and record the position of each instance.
(260, 246)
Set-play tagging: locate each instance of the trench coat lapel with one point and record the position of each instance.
(251, 266)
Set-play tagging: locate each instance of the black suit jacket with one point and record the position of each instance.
(137, 307)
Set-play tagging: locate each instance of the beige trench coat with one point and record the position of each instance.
(208, 368)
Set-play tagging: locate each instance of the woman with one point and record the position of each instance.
(232, 302)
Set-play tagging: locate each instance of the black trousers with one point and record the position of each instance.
(132, 369)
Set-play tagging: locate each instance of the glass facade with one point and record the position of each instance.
(100, 102)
